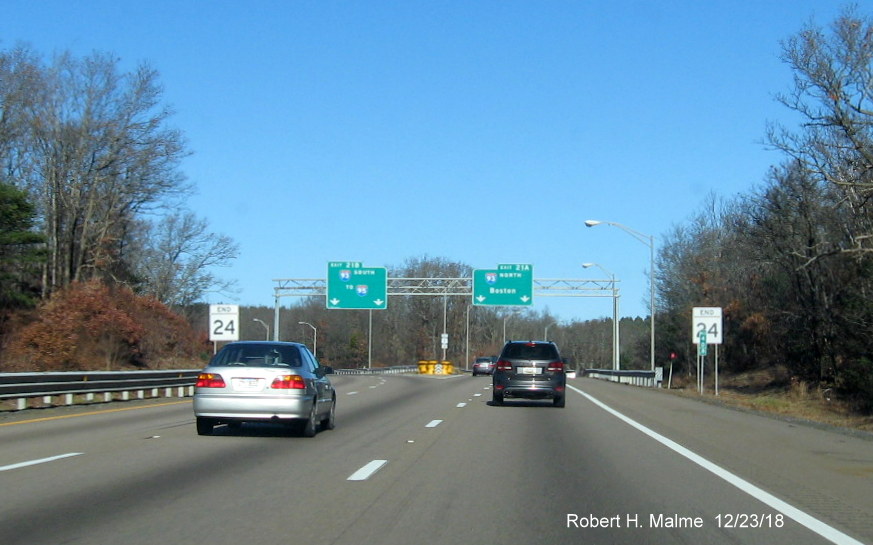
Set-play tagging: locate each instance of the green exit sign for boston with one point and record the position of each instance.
(350, 285)
(507, 285)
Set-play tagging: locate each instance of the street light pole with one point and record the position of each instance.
(616, 343)
(275, 314)
(265, 327)
(504, 328)
(314, 338)
(650, 241)
(467, 330)
(546, 332)
(445, 325)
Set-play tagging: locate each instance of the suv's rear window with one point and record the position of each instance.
(257, 355)
(525, 351)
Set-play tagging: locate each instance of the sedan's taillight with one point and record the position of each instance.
(288, 382)
(210, 380)
(503, 365)
(556, 367)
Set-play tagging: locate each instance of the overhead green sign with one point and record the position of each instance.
(350, 285)
(507, 285)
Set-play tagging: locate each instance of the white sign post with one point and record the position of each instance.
(706, 329)
(223, 323)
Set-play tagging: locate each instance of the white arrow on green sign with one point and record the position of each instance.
(507, 285)
(351, 286)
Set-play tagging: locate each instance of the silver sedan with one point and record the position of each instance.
(253, 381)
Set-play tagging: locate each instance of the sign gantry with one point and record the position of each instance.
(542, 287)
(338, 292)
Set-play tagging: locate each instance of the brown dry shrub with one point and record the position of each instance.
(91, 325)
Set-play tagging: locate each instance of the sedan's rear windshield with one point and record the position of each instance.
(519, 351)
(255, 355)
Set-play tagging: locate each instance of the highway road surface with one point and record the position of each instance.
(425, 459)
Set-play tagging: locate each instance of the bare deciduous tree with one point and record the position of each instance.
(833, 94)
(93, 147)
(178, 256)
(100, 152)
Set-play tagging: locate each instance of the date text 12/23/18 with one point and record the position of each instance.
(674, 520)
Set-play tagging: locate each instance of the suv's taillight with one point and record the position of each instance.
(503, 365)
(288, 382)
(210, 380)
(556, 367)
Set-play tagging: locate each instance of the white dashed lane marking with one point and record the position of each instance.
(367, 471)
(40, 461)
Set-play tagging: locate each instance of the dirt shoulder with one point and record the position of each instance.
(770, 394)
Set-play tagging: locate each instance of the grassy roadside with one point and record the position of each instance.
(769, 393)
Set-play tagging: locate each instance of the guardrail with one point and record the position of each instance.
(395, 370)
(69, 388)
(650, 379)
(86, 386)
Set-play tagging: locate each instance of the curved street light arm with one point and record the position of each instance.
(642, 237)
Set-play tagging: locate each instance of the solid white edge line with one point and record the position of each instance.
(828, 532)
(367, 471)
(40, 461)
(433, 423)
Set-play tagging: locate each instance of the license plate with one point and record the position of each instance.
(246, 383)
(530, 370)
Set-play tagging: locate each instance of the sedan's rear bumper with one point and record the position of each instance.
(237, 407)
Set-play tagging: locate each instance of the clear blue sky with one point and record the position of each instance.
(483, 132)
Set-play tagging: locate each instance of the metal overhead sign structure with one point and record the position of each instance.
(543, 287)
(507, 285)
(341, 288)
(350, 285)
(429, 287)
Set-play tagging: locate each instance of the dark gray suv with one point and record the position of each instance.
(529, 369)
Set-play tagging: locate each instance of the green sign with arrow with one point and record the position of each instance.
(350, 285)
(507, 285)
